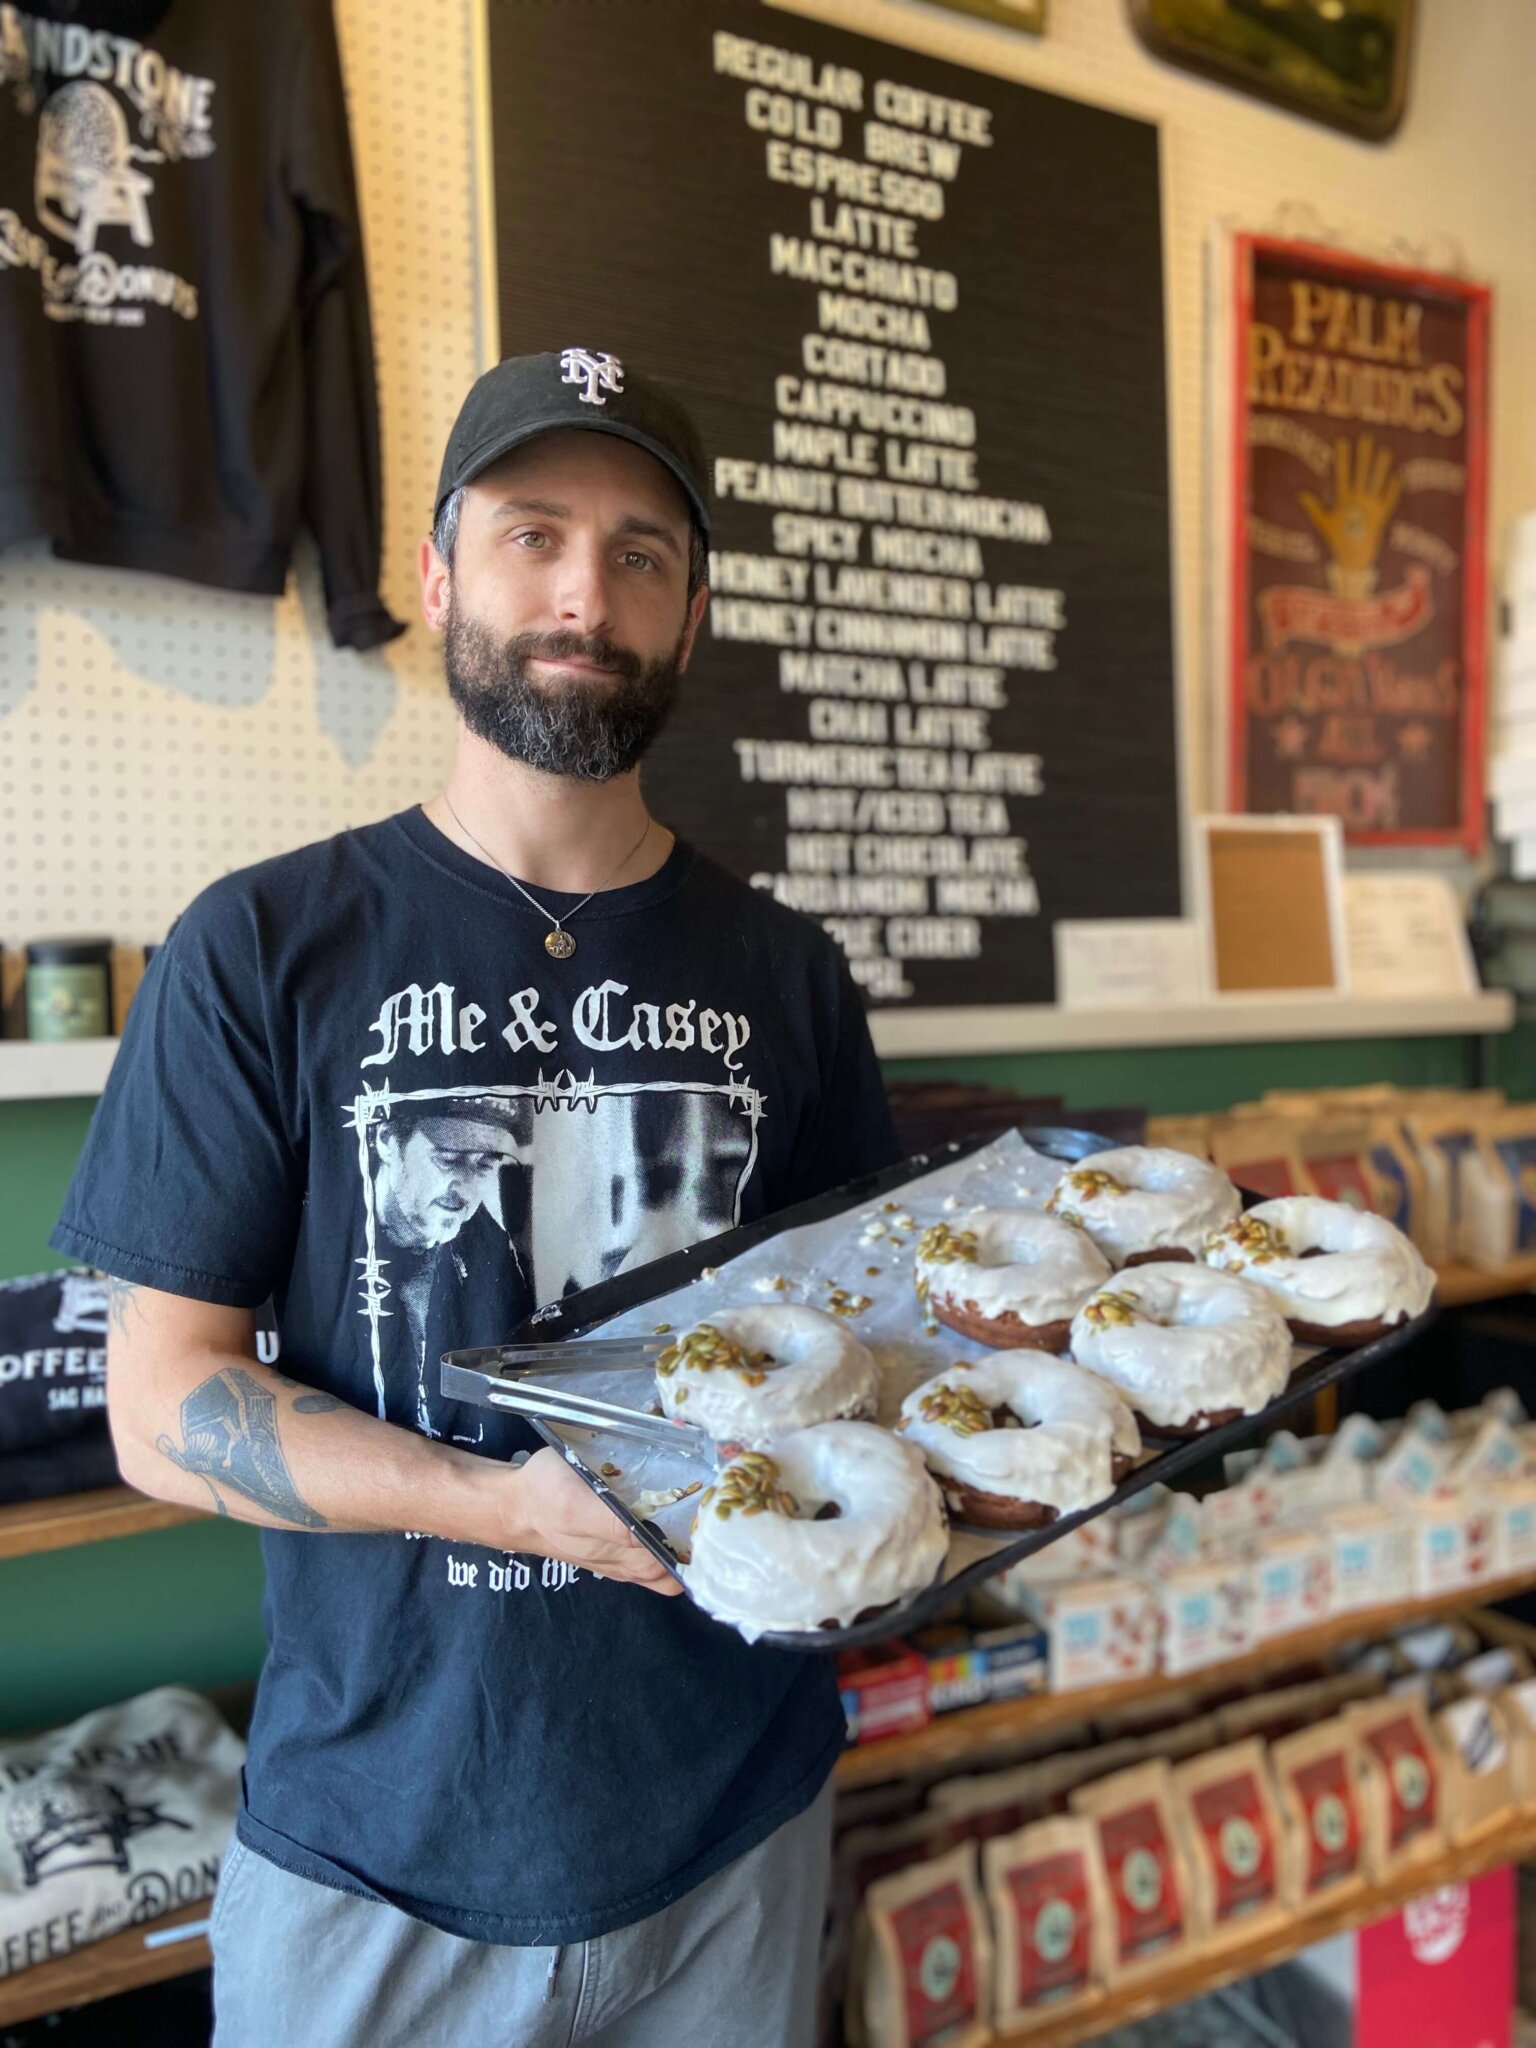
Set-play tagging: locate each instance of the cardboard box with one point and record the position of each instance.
(1370, 1557)
(956, 1673)
(1102, 1631)
(884, 1691)
(1513, 1507)
(1291, 1583)
(1206, 1612)
(1454, 1538)
(1014, 1661)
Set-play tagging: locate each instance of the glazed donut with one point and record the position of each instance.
(837, 1522)
(1338, 1275)
(1009, 1277)
(1187, 1347)
(751, 1375)
(1017, 1441)
(1145, 1202)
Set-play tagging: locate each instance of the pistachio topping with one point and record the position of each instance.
(749, 1485)
(1105, 1310)
(958, 1408)
(1261, 1241)
(841, 1303)
(707, 1349)
(941, 1246)
(1088, 1181)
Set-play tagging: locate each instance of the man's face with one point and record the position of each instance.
(566, 614)
(431, 1180)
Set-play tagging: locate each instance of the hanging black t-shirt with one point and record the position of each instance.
(186, 354)
(353, 1078)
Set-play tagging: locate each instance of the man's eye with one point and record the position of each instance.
(634, 555)
(532, 540)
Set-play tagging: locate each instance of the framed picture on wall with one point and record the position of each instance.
(1269, 898)
(1343, 62)
(1351, 459)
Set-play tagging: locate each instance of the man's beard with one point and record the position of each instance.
(586, 728)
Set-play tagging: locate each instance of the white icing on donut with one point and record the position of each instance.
(1064, 1458)
(1010, 1261)
(780, 1369)
(779, 1568)
(1369, 1271)
(1143, 1198)
(1179, 1340)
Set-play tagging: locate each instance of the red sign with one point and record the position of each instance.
(1359, 454)
(1441, 1974)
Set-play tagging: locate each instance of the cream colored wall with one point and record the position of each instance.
(153, 736)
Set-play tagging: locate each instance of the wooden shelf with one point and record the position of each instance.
(31, 1070)
(1455, 1285)
(32, 1525)
(971, 1734)
(1046, 1027)
(1198, 1974)
(123, 1962)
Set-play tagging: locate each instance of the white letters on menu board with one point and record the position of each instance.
(900, 827)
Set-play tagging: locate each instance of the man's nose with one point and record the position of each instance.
(582, 595)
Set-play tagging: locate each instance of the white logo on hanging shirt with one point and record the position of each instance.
(599, 374)
(87, 169)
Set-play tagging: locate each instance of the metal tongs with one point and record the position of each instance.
(514, 1376)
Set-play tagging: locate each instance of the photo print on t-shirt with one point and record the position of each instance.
(521, 1195)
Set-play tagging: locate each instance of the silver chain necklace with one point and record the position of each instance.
(558, 944)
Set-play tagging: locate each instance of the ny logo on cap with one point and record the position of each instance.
(597, 373)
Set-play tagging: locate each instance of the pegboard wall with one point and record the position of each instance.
(154, 736)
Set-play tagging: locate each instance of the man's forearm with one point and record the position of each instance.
(263, 1448)
(196, 1418)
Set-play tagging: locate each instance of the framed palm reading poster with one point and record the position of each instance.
(1352, 459)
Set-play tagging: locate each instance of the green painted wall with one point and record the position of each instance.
(81, 1627)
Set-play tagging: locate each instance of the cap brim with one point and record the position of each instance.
(519, 437)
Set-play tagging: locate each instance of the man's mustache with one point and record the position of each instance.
(620, 661)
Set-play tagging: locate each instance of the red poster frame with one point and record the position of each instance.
(1470, 833)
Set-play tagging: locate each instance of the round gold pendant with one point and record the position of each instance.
(559, 944)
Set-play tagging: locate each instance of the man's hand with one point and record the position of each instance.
(558, 1515)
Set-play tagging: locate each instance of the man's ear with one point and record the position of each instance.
(696, 610)
(436, 586)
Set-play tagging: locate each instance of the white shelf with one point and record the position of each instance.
(903, 1034)
(80, 1067)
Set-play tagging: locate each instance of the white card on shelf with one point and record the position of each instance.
(1515, 817)
(1127, 963)
(1406, 937)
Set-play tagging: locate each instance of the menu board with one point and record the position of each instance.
(917, 312)
(1357, 538)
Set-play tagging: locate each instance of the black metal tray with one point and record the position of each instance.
(465, 1377)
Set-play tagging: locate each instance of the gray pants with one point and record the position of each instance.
(732, 1963)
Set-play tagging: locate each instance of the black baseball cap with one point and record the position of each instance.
(525, 396)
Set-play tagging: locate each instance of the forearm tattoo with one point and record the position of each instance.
(309, 1403)
(229, 1439)
(122, 1305)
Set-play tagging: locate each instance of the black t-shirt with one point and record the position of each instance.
(354, 1079)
